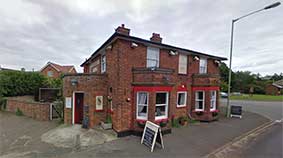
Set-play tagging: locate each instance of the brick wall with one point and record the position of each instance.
(56, 74)
(37, 111)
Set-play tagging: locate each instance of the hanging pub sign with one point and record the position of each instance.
(152, 135)
(236, 111)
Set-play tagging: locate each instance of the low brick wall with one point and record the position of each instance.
(35, 110)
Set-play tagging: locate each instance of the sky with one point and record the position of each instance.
(33, 32)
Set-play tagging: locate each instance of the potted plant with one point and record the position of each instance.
(163, 123)
(108, 122)
(141, 123)
(183, 120)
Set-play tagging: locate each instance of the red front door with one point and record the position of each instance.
(79, 103)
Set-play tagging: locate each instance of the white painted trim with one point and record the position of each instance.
(137, 116)
(186, 95)
(166, 106)
(203, 103)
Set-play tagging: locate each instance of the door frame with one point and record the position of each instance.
(73, 105)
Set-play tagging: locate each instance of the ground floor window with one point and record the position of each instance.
(199, 100)
(212, 100)
(181, 99)
(161, 106)
(142, 105)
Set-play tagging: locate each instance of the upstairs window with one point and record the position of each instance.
(183, 59)
(199, 102)
(203, 65)
(50, 73)
(94, 67)
(212, 100)
(152, 57)
(103, 64)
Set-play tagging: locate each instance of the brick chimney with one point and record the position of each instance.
(156, 38)
(122, 30)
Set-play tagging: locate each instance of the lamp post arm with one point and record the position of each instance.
(248, 14)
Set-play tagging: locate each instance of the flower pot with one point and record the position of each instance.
(106, 125)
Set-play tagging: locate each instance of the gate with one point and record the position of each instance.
(56, 110)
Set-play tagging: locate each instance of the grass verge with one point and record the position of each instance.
(258, 97)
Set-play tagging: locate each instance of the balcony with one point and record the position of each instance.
(206, 80)
(152, 76)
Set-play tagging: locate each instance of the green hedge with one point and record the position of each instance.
(16, 83)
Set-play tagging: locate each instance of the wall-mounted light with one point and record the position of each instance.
(173, 53)
(74, 82)
(134, 45)
(217, 62)
(128, 99)
(109, 47)
(196, 58)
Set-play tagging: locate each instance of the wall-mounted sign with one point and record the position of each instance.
(99, 102)
(151, 135)
(68, 102)
(236, 111)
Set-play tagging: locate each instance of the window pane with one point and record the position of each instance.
(200, 106)
(160, 110)
(152, 57)
(161, 98)
(142, 111)
(182, 64)
(142, 98)
(181, 98)
(200, 95)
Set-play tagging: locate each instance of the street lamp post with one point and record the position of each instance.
(231, 49)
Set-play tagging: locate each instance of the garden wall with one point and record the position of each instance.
(35, 110)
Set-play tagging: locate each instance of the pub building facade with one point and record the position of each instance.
(133, 80)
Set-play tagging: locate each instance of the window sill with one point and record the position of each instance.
(99, 110)
(216, 110)
(181, 106)
(157, 118)
(198, 111)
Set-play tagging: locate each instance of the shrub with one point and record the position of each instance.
(19, 112)
(3, 102)
(183, 120)
(16, 83)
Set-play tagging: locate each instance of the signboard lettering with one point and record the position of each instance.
(150, 134)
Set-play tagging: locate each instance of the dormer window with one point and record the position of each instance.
(203, 66)
(152, 57)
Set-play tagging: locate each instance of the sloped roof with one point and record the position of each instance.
(116, 36)
(278, 84)
(60, 68)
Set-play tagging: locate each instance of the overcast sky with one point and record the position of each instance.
(33, 32)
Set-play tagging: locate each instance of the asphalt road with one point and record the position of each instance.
(271, 110)
(267, 145)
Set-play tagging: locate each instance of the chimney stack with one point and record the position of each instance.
(122, 30)
(156, 38)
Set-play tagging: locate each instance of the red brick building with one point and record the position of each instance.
(53, 70)
(275, 88)
(135, 80)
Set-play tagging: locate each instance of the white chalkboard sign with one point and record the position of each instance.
(150, 134)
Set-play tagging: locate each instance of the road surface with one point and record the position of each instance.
(271, 110)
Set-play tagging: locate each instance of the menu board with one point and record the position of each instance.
(150, 133)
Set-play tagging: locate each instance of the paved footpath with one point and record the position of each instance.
(192, 141)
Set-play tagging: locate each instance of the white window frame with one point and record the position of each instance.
(198, 100)
(103, 63)
(137, 105)
(50, 73)
(183, 63)
(185, 102)
(149, 59)
(166, 106)
(213, 100)
(203, 68)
